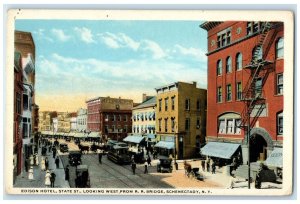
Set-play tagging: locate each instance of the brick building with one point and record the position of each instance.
(180, 119)
(245, 85)
(111, 117)
(18, 111)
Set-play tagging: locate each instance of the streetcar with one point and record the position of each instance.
(119, 154)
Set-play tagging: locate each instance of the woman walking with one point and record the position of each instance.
(43, 166)
(47, 179)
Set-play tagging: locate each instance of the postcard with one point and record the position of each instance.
(149, 102)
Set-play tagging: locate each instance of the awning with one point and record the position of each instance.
(94, 134)
(79, 134)
(71, 134)
(164, 144)
(220, 149)
(275, 158)
(151, 136)
(133, 138)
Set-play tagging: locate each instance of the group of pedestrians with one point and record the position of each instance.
(210, 166)
(146, 164)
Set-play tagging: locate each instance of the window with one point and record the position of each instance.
(187, 104)
(25, 102)
(159, 105)
(253, 27)
(257, 53)
(106, 129)
(237, 127)
(198, 104)
(198, 123)
(280, 84)
(280, 123)
(219, 94)
(219, 67)
(230, 125)
(166, 104)
(25, 130)
(159, 125)
(18, 103)
(228, 65)
(224, 38)
(228, 92)
(125, 118)
(221, 127)
(125, 128)
(173, 103)
(258, 87)
(239, 61)
(119, 118)
(187, 124)
(166, 124)
(239, 91)
(173, 124)
(279, 48)
(113, 118)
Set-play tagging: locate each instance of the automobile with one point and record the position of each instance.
(82, 179)
(165, 165)
(75, 158)
(63, 147)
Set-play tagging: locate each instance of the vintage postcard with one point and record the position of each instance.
(149, 102)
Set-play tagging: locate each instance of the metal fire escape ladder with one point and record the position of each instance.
(252, 95)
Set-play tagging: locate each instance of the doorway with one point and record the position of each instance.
(258, 147)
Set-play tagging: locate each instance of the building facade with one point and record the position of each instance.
(181, 117)
(24, 44)
(111, 117)
(245, 85)
(73, 122)
(18, 112)
(82, 120)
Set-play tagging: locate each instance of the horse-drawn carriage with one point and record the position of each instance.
(84, 148)
(192, 173)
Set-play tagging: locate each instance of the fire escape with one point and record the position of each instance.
(259, 68)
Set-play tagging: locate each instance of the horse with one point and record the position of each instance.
(83, 148)
(187, 168)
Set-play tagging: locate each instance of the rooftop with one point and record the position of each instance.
(148, 103)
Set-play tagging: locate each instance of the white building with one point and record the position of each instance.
(73, 122)
(82, 120)
(55, 125)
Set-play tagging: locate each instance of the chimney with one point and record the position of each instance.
(144, 97)
(194, 83)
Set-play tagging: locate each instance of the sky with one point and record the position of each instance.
(81, 59)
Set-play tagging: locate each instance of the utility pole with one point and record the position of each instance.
(248, 141)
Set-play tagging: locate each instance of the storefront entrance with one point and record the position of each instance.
(258, 148)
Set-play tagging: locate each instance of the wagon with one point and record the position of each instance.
(165, 165)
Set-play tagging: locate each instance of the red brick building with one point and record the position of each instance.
(111, 117)
(18, 110)
(245, 77)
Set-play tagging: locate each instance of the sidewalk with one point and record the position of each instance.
(22, 180)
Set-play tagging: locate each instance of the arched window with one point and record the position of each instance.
(219, 67)
(257, 53)
(279, 48)
(228, 65)
(239, 61)
(229, 123)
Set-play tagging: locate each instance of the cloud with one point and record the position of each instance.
(155, 49)
(190, 51)
(40, 33)
(60, 35)
(119, 40)
(85, 34)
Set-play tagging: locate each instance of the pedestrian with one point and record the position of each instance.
(49, 148)
(46, 163)
(43, 166)
(57, 162)
(30, 173)
(54, 152)
(47, 179)
(203, 165)
(26, 165)
(146, 167)
(52, 179)
(257, 181)
(31, 160)
(149, 160)
(36, 159)
(133, 167)
(100, 157)
(213, 168)
(67, 173)
(208, 165)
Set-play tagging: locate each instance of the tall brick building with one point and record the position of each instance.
(245, 79)
(111, 117)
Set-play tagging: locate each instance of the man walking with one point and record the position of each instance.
(100, 157)
(67, 173)
(213, 168)
(146, 167)
(54, 152)
(133, 167)
(52, 179)
(57, 162)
